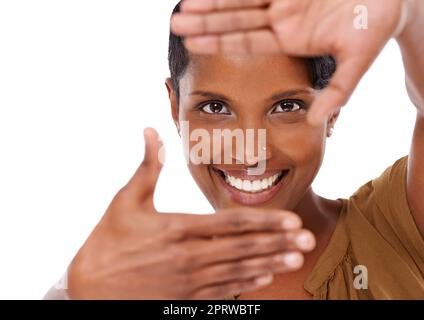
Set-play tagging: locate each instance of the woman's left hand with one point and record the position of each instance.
(352, 32)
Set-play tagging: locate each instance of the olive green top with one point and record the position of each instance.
(376, 250)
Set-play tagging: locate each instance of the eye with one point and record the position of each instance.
(288, 106)
(215, 108)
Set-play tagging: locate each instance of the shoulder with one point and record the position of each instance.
(383, 235)
(383, 196)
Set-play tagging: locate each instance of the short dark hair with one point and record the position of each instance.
(320, 68)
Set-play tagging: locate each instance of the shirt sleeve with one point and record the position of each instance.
(391, 199)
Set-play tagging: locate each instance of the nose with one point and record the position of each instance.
(254, 151)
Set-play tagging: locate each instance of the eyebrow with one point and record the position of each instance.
(277, 96)
(210, 95)
(290, 93)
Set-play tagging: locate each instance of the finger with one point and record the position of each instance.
(231, 288)
(230, 221)
(189, 24)
(341, 86)
(245, 269)
(202, 252)
(262, 41)
(143, 183)
(214, 5)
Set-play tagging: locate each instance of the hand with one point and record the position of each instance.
(301, 28)
(137, 253)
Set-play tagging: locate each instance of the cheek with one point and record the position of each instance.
(195, 140)
(303, 145)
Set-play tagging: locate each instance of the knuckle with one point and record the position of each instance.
(271, 220)
(243, 285)
(182, 260)
(195, 295)
(218, 291)
(279, 242)
(247, 244)
(175, 229)
(238, 268)
(122, 196)
(341, 92)
(239, 221)
(146, 163)
(261, 243)
(185, 283)
(247, 285)
(238, 21)
(268, 265)
(233, 288)
(181, 286)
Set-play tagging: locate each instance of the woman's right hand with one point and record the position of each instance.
(136, 253)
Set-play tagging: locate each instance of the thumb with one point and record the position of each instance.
(341, 86)
(143, 183)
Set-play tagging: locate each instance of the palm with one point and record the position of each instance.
(302, 27)
(318, 27)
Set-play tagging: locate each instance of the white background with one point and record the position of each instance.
(79, 80)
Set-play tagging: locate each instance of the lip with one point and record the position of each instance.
(247, 198)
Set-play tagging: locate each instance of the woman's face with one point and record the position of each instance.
(271, 93)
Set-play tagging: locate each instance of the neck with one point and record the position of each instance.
(317, 213)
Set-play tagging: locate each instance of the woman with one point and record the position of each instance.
(291, 243)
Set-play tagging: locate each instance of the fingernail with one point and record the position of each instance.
(263, 280)
(305, 241)
(293, 259)
(290, 223)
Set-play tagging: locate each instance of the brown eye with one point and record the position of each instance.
(288, 106)
(215, 108)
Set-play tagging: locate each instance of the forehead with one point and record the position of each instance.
(255, 74)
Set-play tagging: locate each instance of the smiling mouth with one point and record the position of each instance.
(251, 186)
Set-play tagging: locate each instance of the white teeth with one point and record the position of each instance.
(238, 184)
(256, 185)
(247, 185)
(252, 185)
